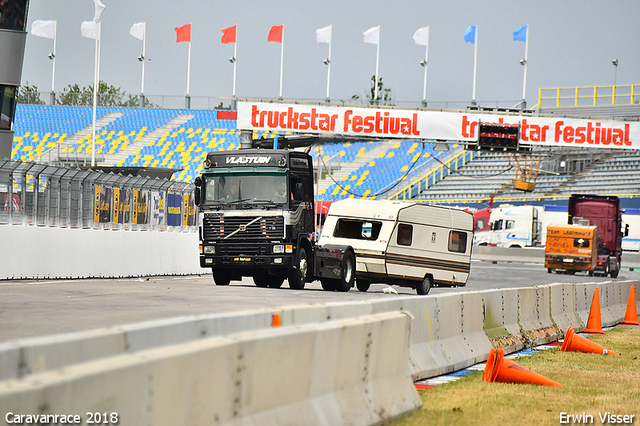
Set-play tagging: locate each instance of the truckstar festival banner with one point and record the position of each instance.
(414, 124)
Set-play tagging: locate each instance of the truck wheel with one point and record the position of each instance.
(221, 277)
(298, 276)
(549, 270)
(363, 285)
(348, 272)
(262, 279)
(328, 284)
(590, 273)
(614, 274)
(424, 287)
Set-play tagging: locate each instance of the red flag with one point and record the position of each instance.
(229, 35)
(183, 33)
(275, 34)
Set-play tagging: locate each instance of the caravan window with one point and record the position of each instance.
(357, 229)
(458, 241)
(405, 234)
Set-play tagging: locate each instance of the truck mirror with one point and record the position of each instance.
(196, 196)
(198, 181)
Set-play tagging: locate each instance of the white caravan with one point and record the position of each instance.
(402, 243)
(515, 226)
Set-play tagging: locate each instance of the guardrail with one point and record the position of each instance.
(588, 95)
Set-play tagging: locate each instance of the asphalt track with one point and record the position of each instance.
(30, 308)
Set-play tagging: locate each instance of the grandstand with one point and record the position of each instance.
(180, 139)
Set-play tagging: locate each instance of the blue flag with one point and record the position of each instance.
(470, 34)
(521, 33)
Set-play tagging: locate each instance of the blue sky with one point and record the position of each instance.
(572, 43)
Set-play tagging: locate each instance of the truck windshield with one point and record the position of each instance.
(245, 188)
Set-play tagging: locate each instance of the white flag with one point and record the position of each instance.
(372, 35)
(88, 29)
(99, 9)
(46, 29)
(323, 35)
(137, 30)
(421, 36)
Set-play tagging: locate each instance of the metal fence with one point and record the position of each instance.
(45, 195)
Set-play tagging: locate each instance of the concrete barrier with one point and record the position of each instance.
(337, 372)
(534, 316)
(49, 252)
(501, 319)
(562, 299)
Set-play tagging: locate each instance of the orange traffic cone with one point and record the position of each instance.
(501, 369)
(594, 323)
(575, 343)
(631, 316)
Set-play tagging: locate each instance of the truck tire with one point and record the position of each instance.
(348, 272)
(221, 277)
(328, 284)
(298, 276)
(425, 286)
(263, 279)
(363, 285)
(614, 274)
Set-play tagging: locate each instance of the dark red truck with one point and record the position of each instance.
(605, 213)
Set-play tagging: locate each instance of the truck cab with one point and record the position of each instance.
(605, 213)
(256, 215)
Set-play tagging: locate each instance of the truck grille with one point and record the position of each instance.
(242, 228)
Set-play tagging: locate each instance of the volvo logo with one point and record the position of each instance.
(242, 228)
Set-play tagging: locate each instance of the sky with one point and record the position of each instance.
(571, 43)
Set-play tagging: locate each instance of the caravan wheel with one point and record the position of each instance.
(424, 287)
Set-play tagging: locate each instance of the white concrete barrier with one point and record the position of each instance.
(562, 298)
(534, 315)
(49, 252)
(345, 372)
(501, 319)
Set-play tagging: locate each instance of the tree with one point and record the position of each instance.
(384, 94)
(108, 96)
(29, 95)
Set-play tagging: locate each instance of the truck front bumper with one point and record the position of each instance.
(284, 261)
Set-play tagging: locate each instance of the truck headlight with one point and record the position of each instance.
(278, 249)
(209, 249)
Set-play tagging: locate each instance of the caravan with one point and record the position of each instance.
(402, 243)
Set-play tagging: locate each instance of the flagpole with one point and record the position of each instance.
(375, 83)
(188, 100)
(144, 54)
(329, 60)
(524, 82)
(281, 60)
(475, 65)
(235, 60)
(95, 94)
(426, 63)
(53, 60)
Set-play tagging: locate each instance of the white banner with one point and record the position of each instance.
(450, 126)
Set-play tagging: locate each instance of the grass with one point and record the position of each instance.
(592, 384)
